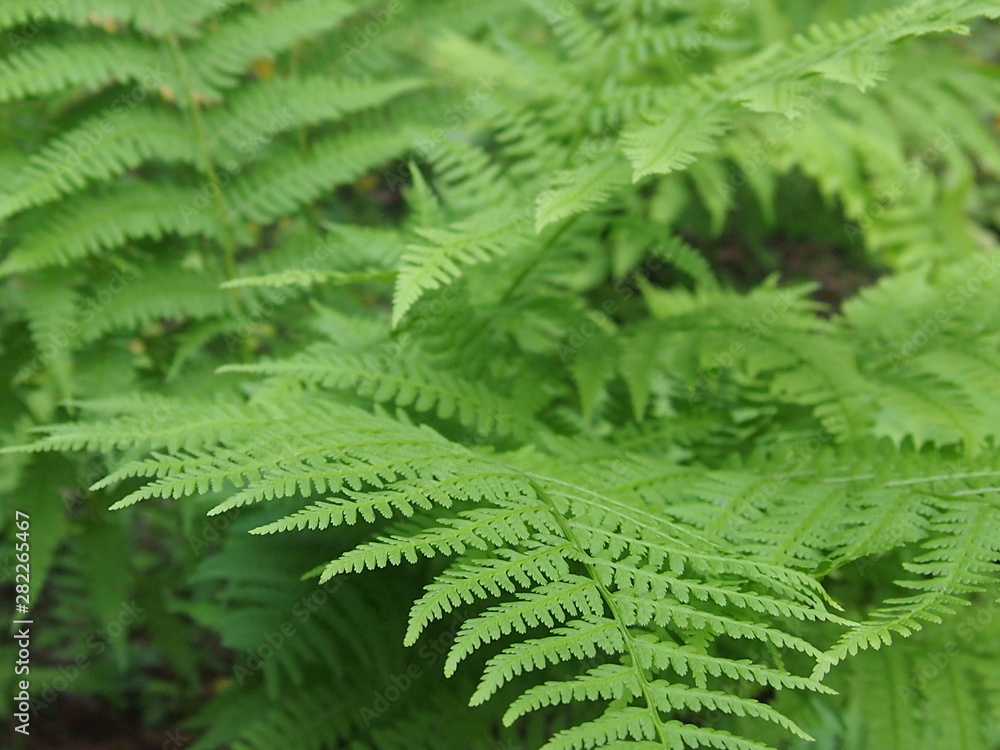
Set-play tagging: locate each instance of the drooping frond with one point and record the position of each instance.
(635, 574)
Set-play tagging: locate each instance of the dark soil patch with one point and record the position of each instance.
(79, 723)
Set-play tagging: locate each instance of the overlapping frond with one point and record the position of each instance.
(636, 579)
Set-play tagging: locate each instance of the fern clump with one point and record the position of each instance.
(582, 375)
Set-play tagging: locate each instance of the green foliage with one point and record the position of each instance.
(525, 336)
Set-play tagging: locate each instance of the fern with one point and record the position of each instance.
(628, 369)
(622, 557)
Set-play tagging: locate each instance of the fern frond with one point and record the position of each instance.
(577, 190)
(477, 529)
(96, 224)
(928, 408)
(693, 116)
(72, 160)
(407, 381)
(958, 560)
(182, 18)
(156, 422)
(688, 259)
(50, 68)
(160, 292)
(622, 554)
(674, 144)
(288, 180)
(220, 58)
(441, 261)
(279, 106)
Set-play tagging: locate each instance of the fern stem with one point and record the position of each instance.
(605, 503)
(294, 70)
(616, 615)
(539, 257)
(219, 202)
(523, 275)
(228, 243)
